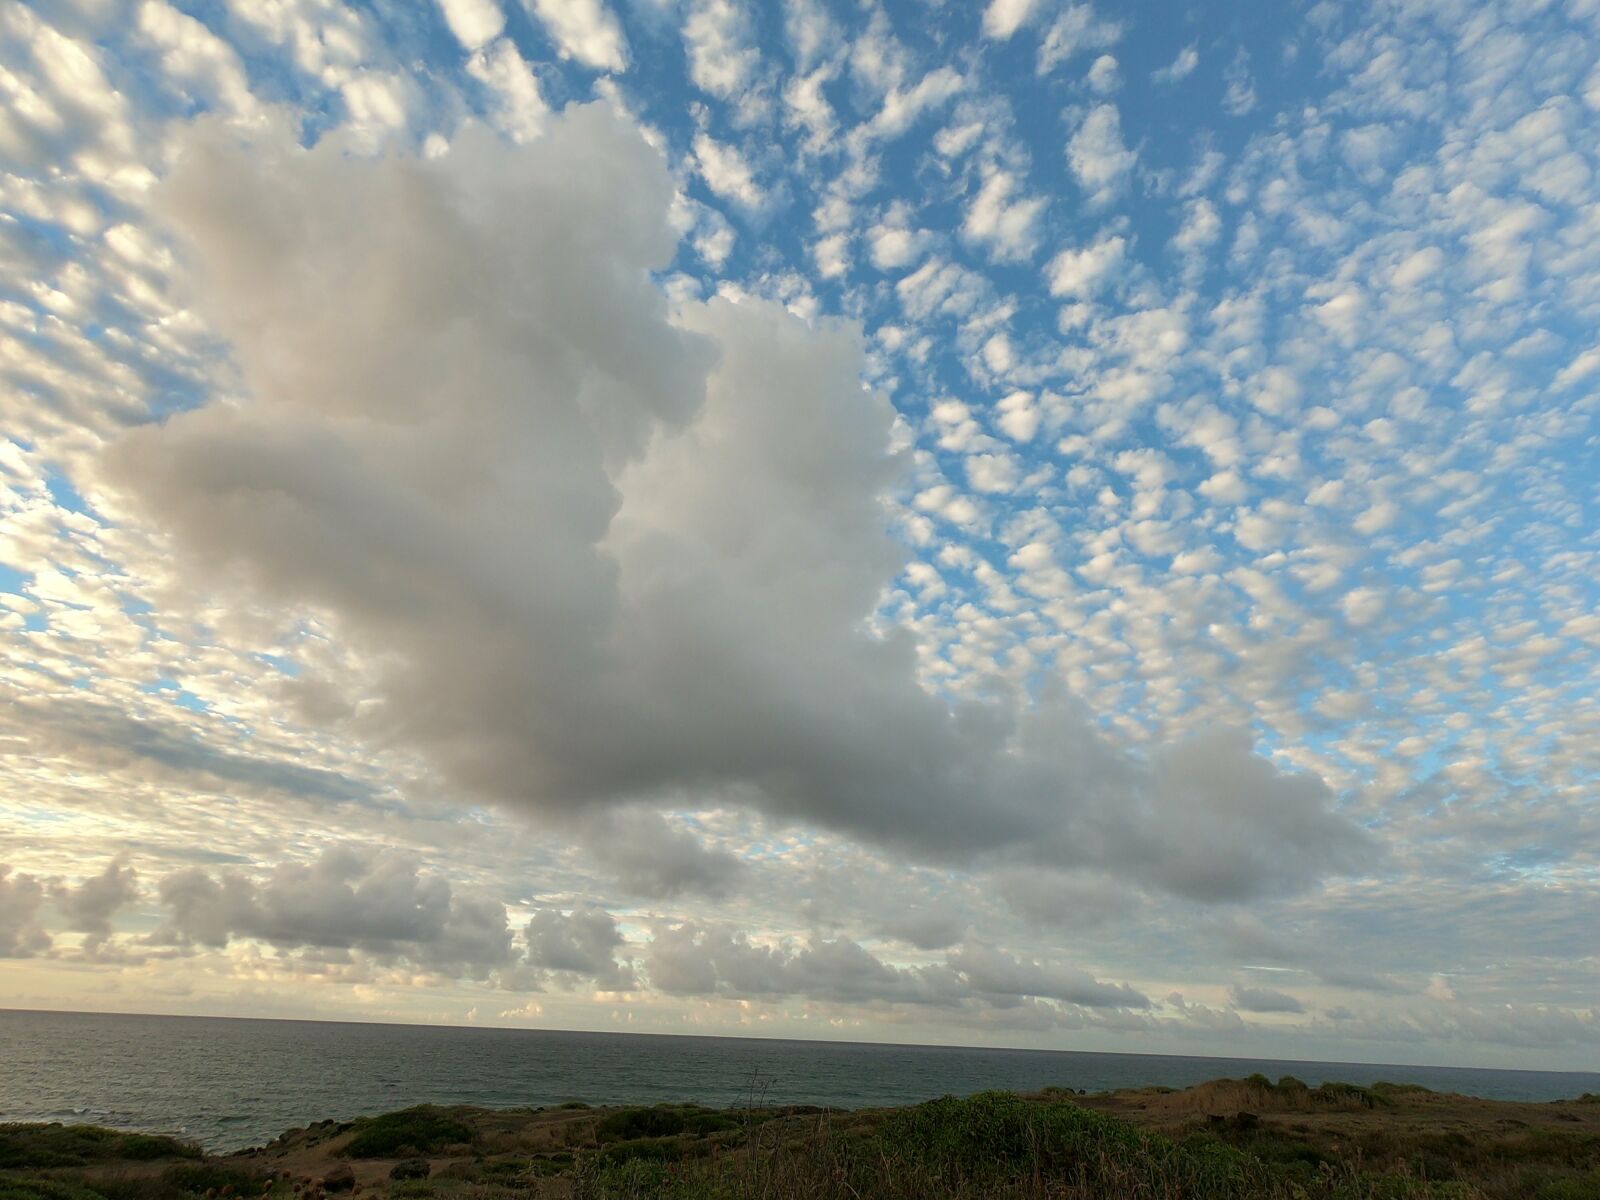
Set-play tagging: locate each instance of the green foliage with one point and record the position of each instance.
(1348, 1094)
(43, 1189)
(1585, 1187)
(40, 1147)
(568, 1105)
(652, 1149)
(407, 1133)
(1384, 1087)
(664, 1120)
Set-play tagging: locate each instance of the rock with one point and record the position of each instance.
(340, 1179)
(411, 1168)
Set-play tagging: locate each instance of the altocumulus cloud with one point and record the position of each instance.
(607, 551)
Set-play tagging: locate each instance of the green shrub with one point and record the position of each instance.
(38, 1147)
(664, 1120)
(407, 1133)
(43, 1189)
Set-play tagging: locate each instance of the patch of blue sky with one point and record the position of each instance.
(176, 693)
(283, 665)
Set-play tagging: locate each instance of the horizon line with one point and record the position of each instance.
(734, 1037)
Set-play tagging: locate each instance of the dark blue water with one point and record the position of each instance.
(232, 1083)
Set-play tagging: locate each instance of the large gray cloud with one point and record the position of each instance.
(604, 552)
(349, 898)
(581, 944)
(21, 897)
(91, 904)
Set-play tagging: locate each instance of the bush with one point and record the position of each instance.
(655, 1149)
(407, 1134)
(39, 1147)
(662, 1121)
(43, 1189)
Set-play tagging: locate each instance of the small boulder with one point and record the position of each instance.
(340, 1179)
(411, 1168)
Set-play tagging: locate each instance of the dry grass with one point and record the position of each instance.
(1248, 1139)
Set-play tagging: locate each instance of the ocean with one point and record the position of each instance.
(230, 1083)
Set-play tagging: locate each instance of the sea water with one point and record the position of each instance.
(230, 1083)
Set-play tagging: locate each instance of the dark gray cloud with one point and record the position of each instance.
(608, 553)
(655, 859)
(347, 899)
(90, 905)
(581, 944)
(21, 897)
(1263, 1000)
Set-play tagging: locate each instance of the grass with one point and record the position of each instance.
(1212, 1142)
(994, 1146)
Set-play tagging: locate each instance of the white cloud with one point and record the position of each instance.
(1240, 95)
(1003, 18)
(519, 106)
(1076, 29)
(1104, 76)
(584, 30)
(1084, 272)
(1006, 224)
(1179, 68)
(1099, 160)
(1364, 605)
(723, 55)
(474, 22)
(727, 173)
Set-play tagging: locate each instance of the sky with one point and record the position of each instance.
(1036, 524)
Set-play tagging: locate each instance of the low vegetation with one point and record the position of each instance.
(408, 1133)
(1241, 1139)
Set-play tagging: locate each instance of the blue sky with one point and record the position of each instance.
(1026, 523)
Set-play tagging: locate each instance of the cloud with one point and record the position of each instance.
(1263, 1000)
(727, 173)
(1004, 17)
(722, 52)
(1004, 222)
(21, 897)
(585, 30)
(1179, 68)
(474, 22)
(581, 944)
(90, 905)
(348, 898)
(659, 860)
(1099, 160)
(1081, 273)
(607, 554)
(1076, 29)
(691, 959)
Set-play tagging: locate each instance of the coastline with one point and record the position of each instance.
(1231, 1139)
